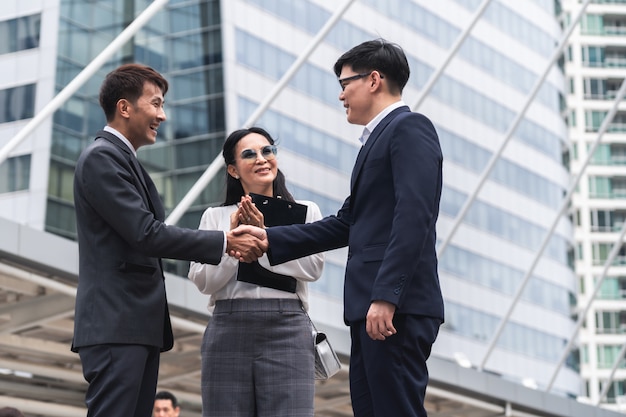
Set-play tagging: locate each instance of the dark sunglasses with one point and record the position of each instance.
(267, 152)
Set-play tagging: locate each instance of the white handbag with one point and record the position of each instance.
(326, 361)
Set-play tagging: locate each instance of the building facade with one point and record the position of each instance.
(595, 68)
(226, 61)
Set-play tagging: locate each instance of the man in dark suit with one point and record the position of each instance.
(392, 298)
(122, 320)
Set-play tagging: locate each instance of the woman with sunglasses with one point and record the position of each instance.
(257, 351)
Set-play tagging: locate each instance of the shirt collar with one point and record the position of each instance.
(121, 137)
(369, 128)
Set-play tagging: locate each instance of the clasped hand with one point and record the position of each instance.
(247, 240)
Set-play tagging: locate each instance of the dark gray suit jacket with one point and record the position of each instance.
(121, 239)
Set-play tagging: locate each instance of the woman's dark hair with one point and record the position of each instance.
(234, 189)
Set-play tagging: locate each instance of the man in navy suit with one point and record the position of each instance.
(392, 298)
(122, 322)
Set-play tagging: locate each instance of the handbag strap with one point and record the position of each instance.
(307, 314)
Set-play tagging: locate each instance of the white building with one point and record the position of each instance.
(596, 67)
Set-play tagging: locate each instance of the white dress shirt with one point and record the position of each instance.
(369, 128)
(220, 281)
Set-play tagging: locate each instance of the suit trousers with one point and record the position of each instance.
(389, 377)
(122, 379)
(258, 360)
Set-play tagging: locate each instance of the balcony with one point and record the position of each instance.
(607, 24)
(619, 295)
(607, 221)
(614, 30)
(610, 56)
(601, 88)
(611, 330)
(610, 195)
(594, 119)
(618, 160)
(610, 61)
(600, 254)
(614, 61)
(606, 30)
(617, 127)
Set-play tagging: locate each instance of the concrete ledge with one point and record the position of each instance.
(48, 253)
(492, 389)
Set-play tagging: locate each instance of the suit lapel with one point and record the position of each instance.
(153, 195)
(148, 191)
(362, 156)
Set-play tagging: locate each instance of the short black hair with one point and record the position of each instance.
(166, 395)
(378, 55)
(127, 82)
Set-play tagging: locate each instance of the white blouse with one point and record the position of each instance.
(220, 281)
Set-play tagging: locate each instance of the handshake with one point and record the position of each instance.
(246, 243)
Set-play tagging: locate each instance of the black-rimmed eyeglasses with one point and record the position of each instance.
(343, 82)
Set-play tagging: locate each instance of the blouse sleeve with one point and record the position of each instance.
(211, 278)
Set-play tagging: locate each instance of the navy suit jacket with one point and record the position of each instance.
(388, 222)
(121, 239)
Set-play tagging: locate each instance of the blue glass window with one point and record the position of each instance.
(481, 326)
(515, 25)
(20, 34)
(503, 278)
(508, 173)
(495, 115)
(17, 103)
(505, 225)
(15, 174)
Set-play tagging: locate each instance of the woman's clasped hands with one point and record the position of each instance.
(247, 213)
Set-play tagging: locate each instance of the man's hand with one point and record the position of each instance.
(246, 243)
(379, 320)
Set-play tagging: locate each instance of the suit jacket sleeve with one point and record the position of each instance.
(306, 268)
(294, 241)
(110, 187)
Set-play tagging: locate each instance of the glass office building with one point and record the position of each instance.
(237, 62)
(184, 44)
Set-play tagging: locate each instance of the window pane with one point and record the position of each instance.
(15, 174)
(18, 103)
(19, 34)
